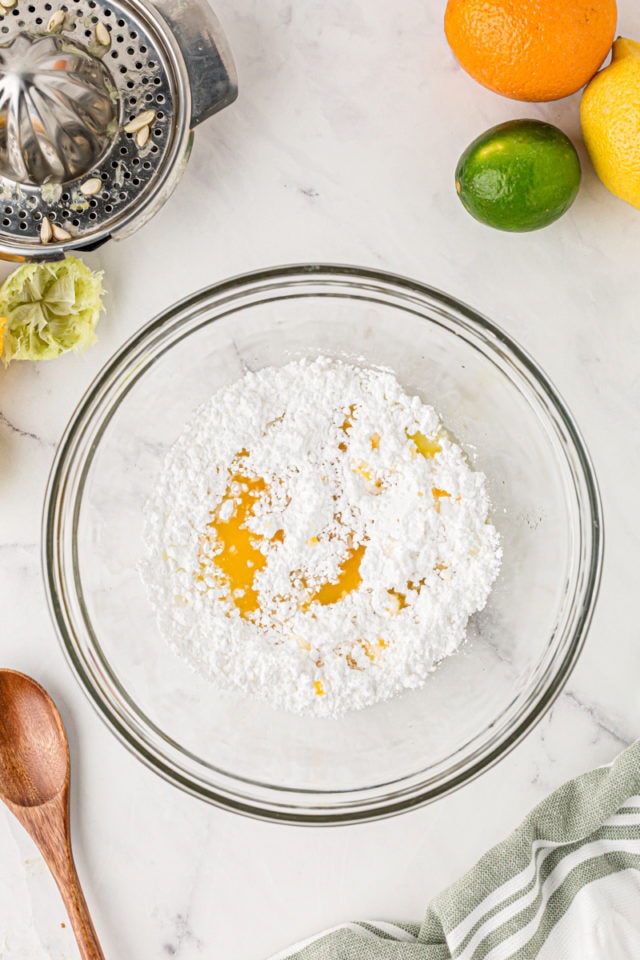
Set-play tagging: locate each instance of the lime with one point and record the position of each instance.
(520, 175)
(48, 308)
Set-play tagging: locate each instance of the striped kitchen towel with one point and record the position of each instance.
(564, 886)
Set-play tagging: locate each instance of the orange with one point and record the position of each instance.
(531, 49)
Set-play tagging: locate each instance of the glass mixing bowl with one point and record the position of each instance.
(478, 703)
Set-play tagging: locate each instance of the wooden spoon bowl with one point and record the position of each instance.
(34, 784)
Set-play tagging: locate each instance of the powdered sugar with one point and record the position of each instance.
(316, 539)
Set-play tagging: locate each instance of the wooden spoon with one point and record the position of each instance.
(34, 784)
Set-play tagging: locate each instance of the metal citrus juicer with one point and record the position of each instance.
(98, 101)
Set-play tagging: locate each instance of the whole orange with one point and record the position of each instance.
(531, 49)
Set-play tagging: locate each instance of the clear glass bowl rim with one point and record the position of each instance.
(297, 277)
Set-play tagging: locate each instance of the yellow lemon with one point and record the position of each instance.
(610, 118)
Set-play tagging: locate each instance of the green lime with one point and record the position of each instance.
(520, 175)
(47, 308)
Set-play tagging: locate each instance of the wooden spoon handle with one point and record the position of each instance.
(48, 825)
(79, 917)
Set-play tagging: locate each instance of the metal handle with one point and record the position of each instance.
(212, 73)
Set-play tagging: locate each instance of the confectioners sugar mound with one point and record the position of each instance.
(316, 539)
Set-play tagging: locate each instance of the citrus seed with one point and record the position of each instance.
(46, 233)
(142, 136)
(60, 233)
(90, 187)
(102, 34)
(56, 21)
(142, 120)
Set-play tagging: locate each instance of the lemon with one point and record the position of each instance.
(520, 175)
(610, 119)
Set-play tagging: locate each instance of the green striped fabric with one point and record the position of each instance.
(564, 886)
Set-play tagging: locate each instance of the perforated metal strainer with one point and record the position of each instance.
(98, 101)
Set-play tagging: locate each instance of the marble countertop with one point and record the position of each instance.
(341, 147)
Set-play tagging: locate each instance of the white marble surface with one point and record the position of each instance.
(341, 147)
